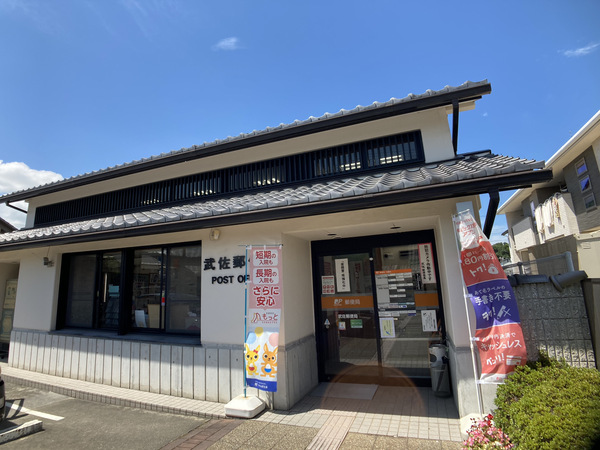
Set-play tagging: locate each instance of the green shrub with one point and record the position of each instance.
(550, 405)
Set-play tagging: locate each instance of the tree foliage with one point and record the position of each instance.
(502, 251)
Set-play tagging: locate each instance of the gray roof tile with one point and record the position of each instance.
(472, 167)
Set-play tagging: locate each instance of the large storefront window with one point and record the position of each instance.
(378, 308)
(150, 289)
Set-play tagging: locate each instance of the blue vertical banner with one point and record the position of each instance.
(498, 334)
(263, 317)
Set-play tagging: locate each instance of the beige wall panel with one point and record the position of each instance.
(135, 374)
(224, 375)
(107, 361)
(115, 379)
(199, 366)
(90, 366)
(165, 369)
(187, 372)
(144, 367)
(212, 374)
(155, 368)
(176, 370)
(125, 372)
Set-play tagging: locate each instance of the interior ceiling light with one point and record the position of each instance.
(394, 227)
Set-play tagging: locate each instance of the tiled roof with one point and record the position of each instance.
(473, 167)
(5, 226)
(207, 146)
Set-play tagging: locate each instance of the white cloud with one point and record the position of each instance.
(16, 176)
(581, 51)
(150, 16)
(230, 43)
(40, 13)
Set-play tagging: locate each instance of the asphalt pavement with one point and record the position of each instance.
(70, 423)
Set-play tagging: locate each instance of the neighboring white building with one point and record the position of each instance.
(561, 215)
(134, 275)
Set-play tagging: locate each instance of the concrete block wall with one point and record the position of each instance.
(212, 373)
(556, 322)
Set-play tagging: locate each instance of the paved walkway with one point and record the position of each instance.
(329, 418)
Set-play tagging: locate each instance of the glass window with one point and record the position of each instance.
(581, 167)
(147, 288)
(183, 294)
(110, 291)
(80, 295)
(160, 286)
(589, 201)
(585, 184)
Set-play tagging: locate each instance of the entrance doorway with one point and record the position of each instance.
(377, 308)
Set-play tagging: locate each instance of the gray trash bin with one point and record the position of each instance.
(438, 367)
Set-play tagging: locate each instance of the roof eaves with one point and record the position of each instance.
(557, 161)
(411, 103)
(417, 193)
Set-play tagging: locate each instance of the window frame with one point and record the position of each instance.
(585, 184)
(581, 167)
(593, 203)
(125, 325)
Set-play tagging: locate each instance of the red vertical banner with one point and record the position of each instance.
(498, 334)
(264, 292)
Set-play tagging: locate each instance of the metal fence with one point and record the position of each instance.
(552, 265)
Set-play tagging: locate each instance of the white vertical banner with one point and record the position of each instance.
(426, 263)
(342, 275)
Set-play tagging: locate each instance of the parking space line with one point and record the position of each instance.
(31, 412)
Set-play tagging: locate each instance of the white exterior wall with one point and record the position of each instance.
(588, 253)
(524, 234)
(214, 370)
(35, 307)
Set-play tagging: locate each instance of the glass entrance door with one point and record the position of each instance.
(378, 310)
(347, 317)
(408, 309)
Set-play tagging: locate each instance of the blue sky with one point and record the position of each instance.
(86, 85)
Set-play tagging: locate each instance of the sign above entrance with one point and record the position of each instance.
(347, 302)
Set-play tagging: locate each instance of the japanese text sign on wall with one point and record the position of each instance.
(264, 291)
(499, 336)
(342, 275)
(426, 263)
(222, 267)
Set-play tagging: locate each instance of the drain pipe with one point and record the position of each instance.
(455, 126)
(490, 216)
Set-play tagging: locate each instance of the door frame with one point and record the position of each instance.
(366, 244)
